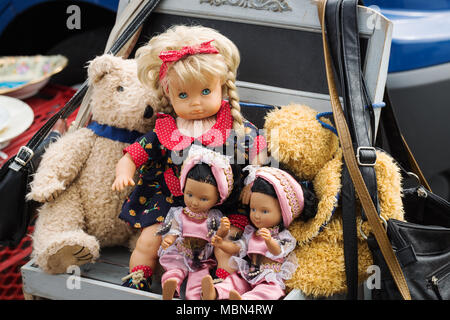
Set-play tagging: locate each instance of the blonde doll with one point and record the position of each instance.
(194, 70)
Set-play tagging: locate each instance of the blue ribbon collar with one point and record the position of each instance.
(113, 133)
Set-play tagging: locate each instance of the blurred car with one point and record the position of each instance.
(419, 81)
(31, 27)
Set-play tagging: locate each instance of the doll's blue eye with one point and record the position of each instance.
(206, 91)
(253, 210)
(189, 195)
(265, 212)
(182, 95)
(204, 199)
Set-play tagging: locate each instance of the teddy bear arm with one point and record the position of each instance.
(61, 164)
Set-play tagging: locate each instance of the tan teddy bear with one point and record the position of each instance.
(311, 150)
(80, 211)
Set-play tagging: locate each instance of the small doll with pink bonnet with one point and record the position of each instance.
(276, 199)
(207, 181)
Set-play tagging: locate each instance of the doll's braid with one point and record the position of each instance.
(233, 98)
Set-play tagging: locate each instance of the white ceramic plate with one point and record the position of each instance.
(4, 117)
(21, 117)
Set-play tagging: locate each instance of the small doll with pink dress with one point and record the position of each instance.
(265, 260)
(193, 70)
(207, 181)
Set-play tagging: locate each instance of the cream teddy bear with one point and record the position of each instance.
(80, 211)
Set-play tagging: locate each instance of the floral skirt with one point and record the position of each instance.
(148, 204)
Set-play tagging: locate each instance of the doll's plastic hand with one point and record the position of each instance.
(224, 227)
(246, 194)
(265, 234)
(168, 241)
(121, 182)
(216, 241)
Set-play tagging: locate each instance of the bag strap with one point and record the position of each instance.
(26, 152)
(348, 201)
(123, 21)
(341, 24)
(349, 156)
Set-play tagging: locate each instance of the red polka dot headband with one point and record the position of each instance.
(175, 55)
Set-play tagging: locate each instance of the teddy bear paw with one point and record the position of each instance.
(72, 255)
(45, 193)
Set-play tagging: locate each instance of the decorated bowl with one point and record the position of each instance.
(23, 76)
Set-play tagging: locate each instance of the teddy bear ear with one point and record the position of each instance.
(100, 66)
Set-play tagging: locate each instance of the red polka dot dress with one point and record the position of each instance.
(159, 155)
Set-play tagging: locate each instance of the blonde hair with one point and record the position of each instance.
(199, 67)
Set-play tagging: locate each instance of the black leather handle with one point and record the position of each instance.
(343, 37)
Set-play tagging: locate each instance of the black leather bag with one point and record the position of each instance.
(423, 250)
(421, 244)
(16, 174)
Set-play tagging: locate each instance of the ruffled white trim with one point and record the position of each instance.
(287, 243)
(288, 266)
(195, 128)
(209, 157)
(251, 173)
(173, 217)
(177, 258)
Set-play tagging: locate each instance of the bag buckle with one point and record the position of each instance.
(360, 158)
(24, 156)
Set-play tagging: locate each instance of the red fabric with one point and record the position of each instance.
(137, 153)
(173, 183)
(173, 139)
(238, 220)
(174, 55)
(44, 105)
(147, 270)
(222, 273)
(11, 260)
(259, 144)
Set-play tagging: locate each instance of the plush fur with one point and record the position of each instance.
(80, 211)
(298, 140)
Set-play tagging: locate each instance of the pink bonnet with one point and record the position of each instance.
(220, 167)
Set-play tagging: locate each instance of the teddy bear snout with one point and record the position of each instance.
(148, 113)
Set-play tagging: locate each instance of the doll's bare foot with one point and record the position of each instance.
(168, 289)
(208, 290)
(234, 295)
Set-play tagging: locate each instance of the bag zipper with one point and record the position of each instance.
(438, 276)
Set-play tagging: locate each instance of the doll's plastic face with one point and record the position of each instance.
(265, 210)
(200, 196)
(195, 101)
